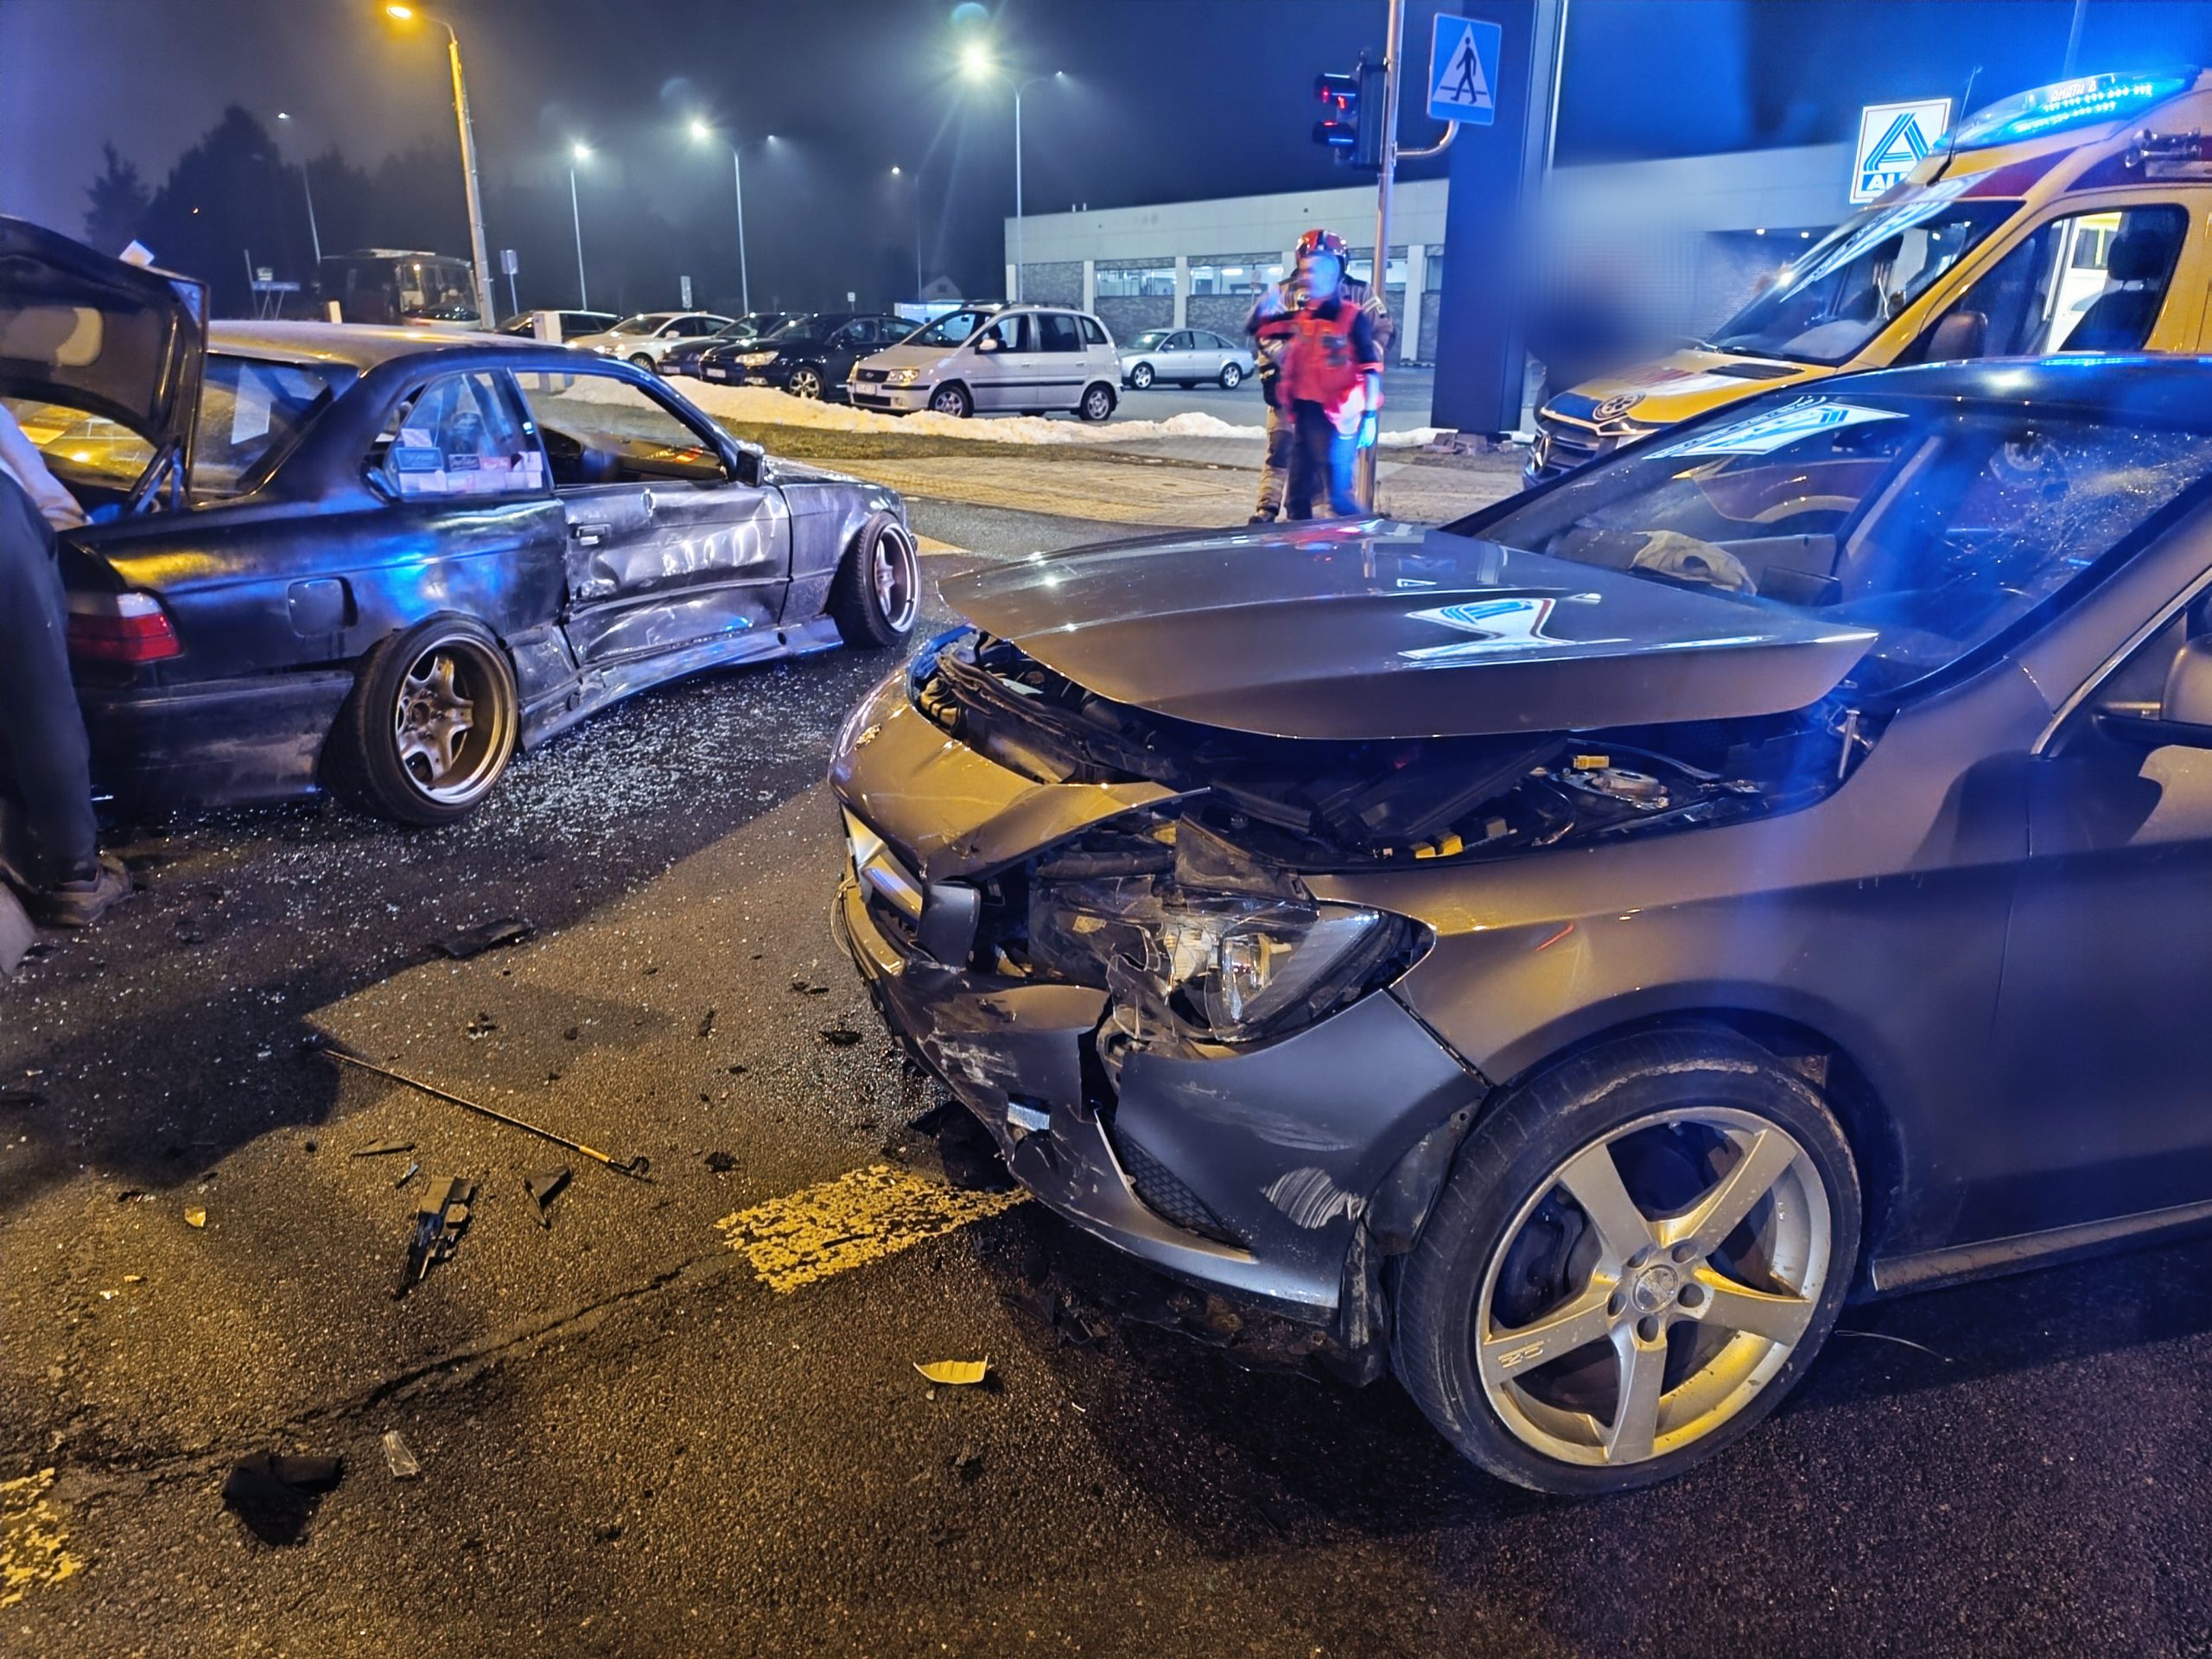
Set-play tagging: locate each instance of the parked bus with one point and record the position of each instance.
(400, 285)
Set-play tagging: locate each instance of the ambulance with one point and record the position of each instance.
(2073, 218)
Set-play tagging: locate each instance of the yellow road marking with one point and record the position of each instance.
(33, 1547)
(930, 544)
(857, 1218)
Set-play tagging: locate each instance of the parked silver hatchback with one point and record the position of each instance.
(996, 358)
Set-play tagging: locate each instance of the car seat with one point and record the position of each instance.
(2120, 319)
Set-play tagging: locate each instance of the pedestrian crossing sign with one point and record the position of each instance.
(1463, 56)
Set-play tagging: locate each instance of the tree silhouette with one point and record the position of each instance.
(119, 201)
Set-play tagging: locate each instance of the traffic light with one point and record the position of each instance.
(1352, 141)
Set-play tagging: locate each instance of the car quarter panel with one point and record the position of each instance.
(827, 513)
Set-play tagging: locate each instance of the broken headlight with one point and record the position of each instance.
(1224, 968)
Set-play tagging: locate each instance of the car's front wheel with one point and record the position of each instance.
(432, 722)
(805, 383)
(1140, 376)
(953, 400)
(1232, 376)
(877, 592)
(640, 359)
(1637, 1256)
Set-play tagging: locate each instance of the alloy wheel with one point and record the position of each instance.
(1140, 376)
(450, 722)
(895, 574)
(805, 383)
(1652, 1285)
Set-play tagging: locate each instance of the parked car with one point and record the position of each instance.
(1186, 356)
(811, 356)
(386, 559)
(986, 358)
(683, 358)
(572, 324)
(1567, 953)
(646, 338)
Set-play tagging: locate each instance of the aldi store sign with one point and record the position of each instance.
(1893, 139)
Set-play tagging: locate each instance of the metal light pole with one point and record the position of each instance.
(578, 153)
(1379, 273)
(916, 188)
(701, 132)
(1034, 80)
(314, 236)
(477, 255)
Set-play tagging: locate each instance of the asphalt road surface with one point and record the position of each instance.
(683, 1418)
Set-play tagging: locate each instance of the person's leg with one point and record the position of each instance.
(1344, 490)
(1309, 458)
(42, 746)
(1275, 465)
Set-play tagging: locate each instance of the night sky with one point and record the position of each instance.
(1168, 99)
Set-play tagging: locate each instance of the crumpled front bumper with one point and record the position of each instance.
(1247, 1171)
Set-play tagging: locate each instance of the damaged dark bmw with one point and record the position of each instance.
(1561, 957)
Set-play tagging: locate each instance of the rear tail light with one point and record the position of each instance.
(120, 628)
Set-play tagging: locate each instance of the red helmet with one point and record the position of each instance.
(1320, 241)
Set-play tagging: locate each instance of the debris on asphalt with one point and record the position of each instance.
(737, 1071)
(16, 933)
(841, 1036)
(544, 1187)
(482, 1026)
(273, 1495)
(572, 1033)
(21, 1100)
(195, 1217)
(722, 1162)
(408, 1174)
(1883, 1335)
(806, 988)
(439, 1220)
(475, 941)
(955, 1373)
(637, 1168)
(382, 1149)
(707, 1024)
(968, 1464)
(399, 1457)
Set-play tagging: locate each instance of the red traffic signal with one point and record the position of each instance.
(1340, 129)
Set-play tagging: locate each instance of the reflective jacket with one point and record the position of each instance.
(1330, 354)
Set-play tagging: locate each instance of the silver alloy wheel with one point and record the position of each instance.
(950, 400)
(1097, 404)
(895, 574)
(1140, 376)
(1232, 375)
(452, 723)
(805, 383)
(1681, 1317)
(639, 360)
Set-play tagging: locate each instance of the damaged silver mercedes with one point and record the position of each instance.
(1562, 956)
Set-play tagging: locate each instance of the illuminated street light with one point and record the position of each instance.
(703, 132)
(977, 64)
(314, 236)
(578, 154)
(407, 15)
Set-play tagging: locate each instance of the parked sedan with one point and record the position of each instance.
(385, 559)
(1565, 955)
(811, 356)
(683, 358)
(573, 324)
(646, 338)
(1189, 357)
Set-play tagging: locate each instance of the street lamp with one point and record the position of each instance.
(403, 14)
(917, 230)
(978, 64)
(701, 133)
(315, 237)
(578, 154)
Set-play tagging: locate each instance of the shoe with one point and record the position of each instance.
(1260, 518)
(84, 901)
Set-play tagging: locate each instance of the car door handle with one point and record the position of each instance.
(589, 535)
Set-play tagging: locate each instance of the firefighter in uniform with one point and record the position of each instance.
(1331, 382)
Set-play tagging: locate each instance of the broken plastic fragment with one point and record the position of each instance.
(399, 1457)
(195, 1217)
(475, 941)
(955, 1373)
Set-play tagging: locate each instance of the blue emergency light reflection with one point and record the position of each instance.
(2070, 104)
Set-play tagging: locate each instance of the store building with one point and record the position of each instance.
(1692, 235)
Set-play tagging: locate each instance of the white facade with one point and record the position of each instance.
(1693, 224)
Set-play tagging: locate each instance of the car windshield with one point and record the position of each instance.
(1828, 304)
(1937, 523)
(1148, 341)
(250, 413)
(800, 331)
(645, 323)
(953, 328)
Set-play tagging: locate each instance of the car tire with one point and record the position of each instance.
(876, 595)
(1232, 376)
(431, 723)
(951, 399)
(1098, 402)
(1617, 1361)
(639, 360)
(805, 383)
(1141, 377)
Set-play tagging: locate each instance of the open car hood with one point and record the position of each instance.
(78, 328)
(1376, 629)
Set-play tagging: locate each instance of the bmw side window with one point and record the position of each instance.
(599, 430)
(459, 435)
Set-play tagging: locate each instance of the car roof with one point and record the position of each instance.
(361, 344)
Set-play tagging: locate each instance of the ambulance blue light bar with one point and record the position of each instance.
(2080, 103)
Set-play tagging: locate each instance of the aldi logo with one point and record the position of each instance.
(1893, 139)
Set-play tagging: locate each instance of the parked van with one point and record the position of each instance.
(992, 358)
(2074, 218)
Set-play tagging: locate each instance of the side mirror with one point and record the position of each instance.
(2183, 716)
(748, 468)
(1959, 335)
(987, 343)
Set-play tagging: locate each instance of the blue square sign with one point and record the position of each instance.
(1462, 56)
